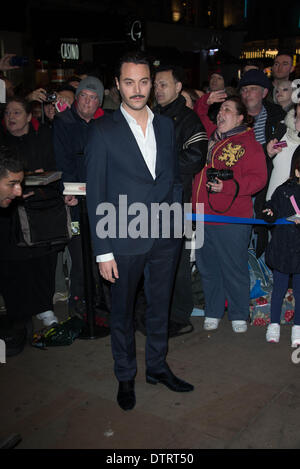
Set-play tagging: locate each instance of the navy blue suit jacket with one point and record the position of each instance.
(115, 166)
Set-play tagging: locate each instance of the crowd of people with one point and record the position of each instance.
(236, 150)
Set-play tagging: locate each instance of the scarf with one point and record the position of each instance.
(219, 136)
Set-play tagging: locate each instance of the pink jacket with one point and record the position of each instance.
(245, 156)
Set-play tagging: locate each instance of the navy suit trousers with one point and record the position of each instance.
(158, 266)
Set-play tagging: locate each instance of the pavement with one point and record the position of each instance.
(246, 396)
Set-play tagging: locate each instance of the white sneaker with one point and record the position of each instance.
(273, 333)
(239, 326)
(48, 318)
(211, 324)
(295, 336)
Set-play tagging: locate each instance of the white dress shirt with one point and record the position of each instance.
(147, 146)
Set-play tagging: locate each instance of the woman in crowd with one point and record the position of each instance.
(288, 135)
(283, 95)
(223, 259)
(191, 96)
(28, 273)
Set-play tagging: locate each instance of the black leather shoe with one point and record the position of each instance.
(170, 380)
(176, 328)
(126, 395)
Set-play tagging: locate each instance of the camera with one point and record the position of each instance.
(16, 61)
(223, 174)
(212, 175)
(51, 97)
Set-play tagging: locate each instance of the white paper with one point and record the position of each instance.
(74, 188)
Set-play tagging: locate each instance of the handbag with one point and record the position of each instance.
(42, 220)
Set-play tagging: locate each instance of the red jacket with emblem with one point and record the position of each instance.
(245, 157)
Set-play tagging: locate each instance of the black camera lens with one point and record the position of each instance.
(211, 174)
(51, 97)
(224, 174)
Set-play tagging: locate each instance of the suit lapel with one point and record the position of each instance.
(131, 144)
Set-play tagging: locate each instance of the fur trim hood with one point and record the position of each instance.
(291, 131)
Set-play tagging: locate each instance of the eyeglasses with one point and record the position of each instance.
(92, 97)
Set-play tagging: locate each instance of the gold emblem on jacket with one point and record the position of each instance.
(231, 154)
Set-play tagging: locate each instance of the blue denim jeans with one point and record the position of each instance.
(280, 286)
(223, 265)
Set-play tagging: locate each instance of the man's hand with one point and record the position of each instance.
(39, 95)
(109, 270)
(71, 200)
(29, 194)
(5, 62)
(216, 97)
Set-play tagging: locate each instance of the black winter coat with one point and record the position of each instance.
(283, 251)
(70, 136)
(273, 129)
(191, 141)
(36, 150)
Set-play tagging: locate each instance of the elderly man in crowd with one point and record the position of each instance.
(70, 133)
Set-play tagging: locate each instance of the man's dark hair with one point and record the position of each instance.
(135, 57)
(9, 161)
(66, 87)
(287, 52)
(177, 71)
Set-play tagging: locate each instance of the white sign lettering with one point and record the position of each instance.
(69, 51)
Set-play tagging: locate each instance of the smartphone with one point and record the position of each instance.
(282, 144)
(16, 61)
(60, 107)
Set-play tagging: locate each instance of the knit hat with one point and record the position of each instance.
(255, 77)
(92, 84)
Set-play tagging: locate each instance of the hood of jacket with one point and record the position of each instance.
(291, 131)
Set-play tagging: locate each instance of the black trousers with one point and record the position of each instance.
(28, 286)
(182, 300)
(76, 273)
(158, 266)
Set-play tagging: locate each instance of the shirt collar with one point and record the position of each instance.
(132, 120)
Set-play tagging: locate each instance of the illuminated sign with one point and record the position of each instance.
(69, 51)
(259, 54)
(136, 31)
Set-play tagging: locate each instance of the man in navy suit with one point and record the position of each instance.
(131, 159)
